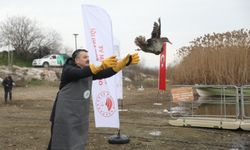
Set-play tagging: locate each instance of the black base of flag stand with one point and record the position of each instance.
(118, 139)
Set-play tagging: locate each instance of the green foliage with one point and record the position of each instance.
(3, 58)
(17, 60)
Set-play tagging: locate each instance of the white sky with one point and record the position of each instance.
(182, 20)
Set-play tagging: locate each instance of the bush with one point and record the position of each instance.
(17, 59)
(222, 58)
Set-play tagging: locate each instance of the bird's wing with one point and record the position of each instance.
(140, 41)
(153, 46)
(159, 31)
(156, 33)
(149, 50)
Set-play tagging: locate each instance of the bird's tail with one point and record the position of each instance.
(140, 41)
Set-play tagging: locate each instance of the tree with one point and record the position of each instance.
(19, 32)
(49, 42)
(26, 37)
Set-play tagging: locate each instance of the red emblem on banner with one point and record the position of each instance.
(109, 103)
(162, 72)
(105, 104)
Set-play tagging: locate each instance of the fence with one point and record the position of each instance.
(216, 106)
(245, 107)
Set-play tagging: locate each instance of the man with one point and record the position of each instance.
(70, 114)
(7, 84)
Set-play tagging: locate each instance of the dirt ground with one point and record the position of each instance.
(24, 124)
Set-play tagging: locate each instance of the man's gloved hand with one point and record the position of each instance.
(129, 59)
(135, 59)
(106, 63)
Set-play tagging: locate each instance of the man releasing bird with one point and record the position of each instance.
(155, 43)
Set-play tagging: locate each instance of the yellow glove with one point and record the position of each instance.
(135, 59)
(106, 63)
(129, 59)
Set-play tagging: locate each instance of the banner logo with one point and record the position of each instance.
(86, 94)
(105, 104)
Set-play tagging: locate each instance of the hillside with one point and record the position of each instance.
(137, 75)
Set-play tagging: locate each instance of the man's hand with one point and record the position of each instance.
(106, 63)
(135, 59)
(109, 62)
(129, 59)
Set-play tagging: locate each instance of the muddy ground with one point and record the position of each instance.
(24, 124)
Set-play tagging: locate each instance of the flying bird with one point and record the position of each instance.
(155, 43)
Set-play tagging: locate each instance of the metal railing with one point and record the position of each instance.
(210, 102)
(245, 102)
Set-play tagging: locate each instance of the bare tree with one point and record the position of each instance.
(49, 42)
(19, 32)
(26, 37)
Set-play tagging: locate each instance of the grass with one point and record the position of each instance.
(35, 82)
(17, 60)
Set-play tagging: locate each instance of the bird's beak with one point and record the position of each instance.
(169, 42)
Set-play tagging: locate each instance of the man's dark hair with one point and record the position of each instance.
(76, 53)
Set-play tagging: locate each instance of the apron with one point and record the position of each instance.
(71, 119)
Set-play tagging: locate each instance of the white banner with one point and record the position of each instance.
(99, 43)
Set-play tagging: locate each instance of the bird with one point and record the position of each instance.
(155, 43)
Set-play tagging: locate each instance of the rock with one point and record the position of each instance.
(140, 88)
(49, 75)
(127, 79)
(20, 74)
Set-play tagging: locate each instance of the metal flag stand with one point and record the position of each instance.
(118, 138)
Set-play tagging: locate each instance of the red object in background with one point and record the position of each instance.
(162, 71)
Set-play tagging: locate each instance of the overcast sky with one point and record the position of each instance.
(182, 20)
